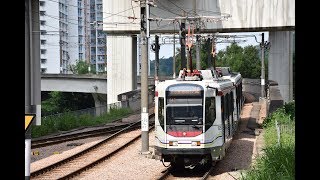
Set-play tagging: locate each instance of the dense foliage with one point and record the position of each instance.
(58, 102)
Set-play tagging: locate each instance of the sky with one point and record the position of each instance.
(166, 50)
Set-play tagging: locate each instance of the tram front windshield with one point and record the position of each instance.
(184, 111)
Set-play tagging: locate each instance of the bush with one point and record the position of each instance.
(290, 109)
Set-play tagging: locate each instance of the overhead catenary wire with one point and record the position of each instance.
(58, 18)
(111, 14)
(121, 11)
(166, 8)
(177, 6)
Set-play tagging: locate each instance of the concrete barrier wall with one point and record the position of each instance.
(132, 99)
(274, 97)
(252, 87)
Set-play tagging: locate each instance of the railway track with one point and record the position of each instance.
(91, 156)
(76, 134)
(42, 142)
(172, 173)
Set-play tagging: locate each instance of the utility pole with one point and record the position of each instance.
(105, 55)
(198, 65)
(262, 45)
(32, 75)
(156, 65)
(144, 32)
(198, 52)
(209, 63)
(174, 53)
(183, 42)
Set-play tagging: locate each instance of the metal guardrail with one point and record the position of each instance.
(282, 129)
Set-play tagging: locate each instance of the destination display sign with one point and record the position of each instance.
(184, 89)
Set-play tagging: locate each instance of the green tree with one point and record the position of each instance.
(203, 59)
(59, 102)
(52, 104)
(244, 60)
(82, 67)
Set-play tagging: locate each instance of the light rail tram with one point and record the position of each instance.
(196, 116)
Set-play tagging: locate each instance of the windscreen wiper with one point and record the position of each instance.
(194, 126)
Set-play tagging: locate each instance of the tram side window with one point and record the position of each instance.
(226, 107)
(240, 93)
(210, 112)
(231, 103)
(222, 108)
(161, 111)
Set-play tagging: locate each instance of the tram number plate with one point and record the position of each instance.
(144, 121)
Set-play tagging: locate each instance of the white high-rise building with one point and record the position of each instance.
(64, 34)
(98, 43)
(84, 30)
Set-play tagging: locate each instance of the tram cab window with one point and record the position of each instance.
(184, 115)
(210, 112)
(161, 111)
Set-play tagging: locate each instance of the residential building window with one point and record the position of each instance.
(43, 61)
(99, 7)
(43, 32)
(43, 23)
(42, 3)
(43, 51)
(42, 13)
(43, 42)
(43, 70)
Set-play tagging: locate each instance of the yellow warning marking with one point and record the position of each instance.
(28, 119)
(36, 153)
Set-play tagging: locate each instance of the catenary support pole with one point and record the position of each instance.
(198, 52)
(156, 67)
(262, 45)
(183, 43)
(144, 78)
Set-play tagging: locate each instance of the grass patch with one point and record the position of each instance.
(278, 160)
(69, 120)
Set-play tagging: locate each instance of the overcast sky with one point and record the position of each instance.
(166, 50)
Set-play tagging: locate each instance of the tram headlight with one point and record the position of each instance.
(173, 143)
(195, 143)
